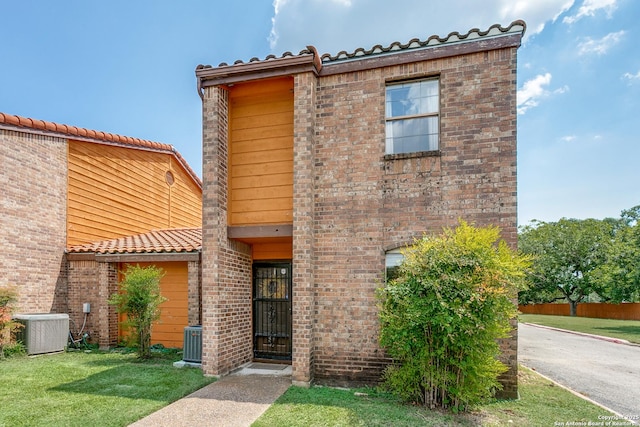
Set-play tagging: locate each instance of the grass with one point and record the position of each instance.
(624, 329)
(96, 388)
(115, 389)
(541, 403)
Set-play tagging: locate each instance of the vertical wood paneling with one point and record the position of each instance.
(261, 153)
(115, 191)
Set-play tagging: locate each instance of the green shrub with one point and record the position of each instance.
(8, 327)
(440, 318)
(139, 298)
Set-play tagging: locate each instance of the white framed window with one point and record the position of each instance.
(412, 111)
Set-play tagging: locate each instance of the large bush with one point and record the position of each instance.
(139, 298)
(441, 317)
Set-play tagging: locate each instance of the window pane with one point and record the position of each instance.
(393, 259)
(412, 98)
(411, 135)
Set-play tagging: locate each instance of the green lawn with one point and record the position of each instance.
(541, 403)
(90, 389)
(114, 389)
(625, 329)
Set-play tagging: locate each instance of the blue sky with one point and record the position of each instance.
(127, 67)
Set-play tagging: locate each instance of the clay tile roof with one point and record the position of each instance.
(494, 30)
(207, 71)
(94, 136)
(157, 241)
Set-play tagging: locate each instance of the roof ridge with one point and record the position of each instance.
(102, 137)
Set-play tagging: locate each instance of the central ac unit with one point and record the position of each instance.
(192, 344)
(43, 333)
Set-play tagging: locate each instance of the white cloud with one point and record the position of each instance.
(631, 78)
(599, 46)
(335, 25)
(532, 91)
(568, 138)
(590, 7)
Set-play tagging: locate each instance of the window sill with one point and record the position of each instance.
(402, 156)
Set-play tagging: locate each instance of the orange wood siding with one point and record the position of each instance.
(261, 153)
(279, 249)
(114, 191)
(169, 331)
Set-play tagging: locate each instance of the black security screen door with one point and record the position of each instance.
(272, 311)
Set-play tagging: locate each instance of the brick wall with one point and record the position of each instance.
(195, 293)
(366, 202)
(226, 265)
(33, 219)
(93, 282)
(83, 286)
(303, 297)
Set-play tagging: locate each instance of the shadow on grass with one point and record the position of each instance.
(630, 330)
(162, 383)
(327, 406)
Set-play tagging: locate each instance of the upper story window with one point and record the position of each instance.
(412, 116)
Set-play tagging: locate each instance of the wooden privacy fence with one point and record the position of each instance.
(624, 311)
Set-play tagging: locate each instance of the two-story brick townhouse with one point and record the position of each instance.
(65, 187)
(318, 168)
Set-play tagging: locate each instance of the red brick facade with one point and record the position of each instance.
(33, 219)
(353, 202)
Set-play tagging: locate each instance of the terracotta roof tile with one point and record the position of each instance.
(95, 136)
(434, 40)
(326, 59)
(156, 241)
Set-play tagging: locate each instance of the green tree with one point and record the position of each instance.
(567, 257)
(139, 298)
(620, 274)
(440, 317)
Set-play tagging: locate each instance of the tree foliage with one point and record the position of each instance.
(441, 316)
(620, 274)
(567, 257)
(139, 298)
(576, 258)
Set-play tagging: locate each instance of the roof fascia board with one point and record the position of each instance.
(437, 51)
(257, 70)
(259, 231)
(148, 257)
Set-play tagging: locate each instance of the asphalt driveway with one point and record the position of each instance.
(605, 371)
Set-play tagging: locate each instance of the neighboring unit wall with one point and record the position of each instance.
(33, 219)
(116, 191)
(93, 282)
(174, 312)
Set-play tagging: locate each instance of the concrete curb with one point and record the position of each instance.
(597, 337)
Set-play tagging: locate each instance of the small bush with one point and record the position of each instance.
(139, 298)
(8, 327)
(441, 316)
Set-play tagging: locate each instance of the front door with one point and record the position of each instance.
(272, 310)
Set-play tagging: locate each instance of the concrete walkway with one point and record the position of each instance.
(236, 400)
